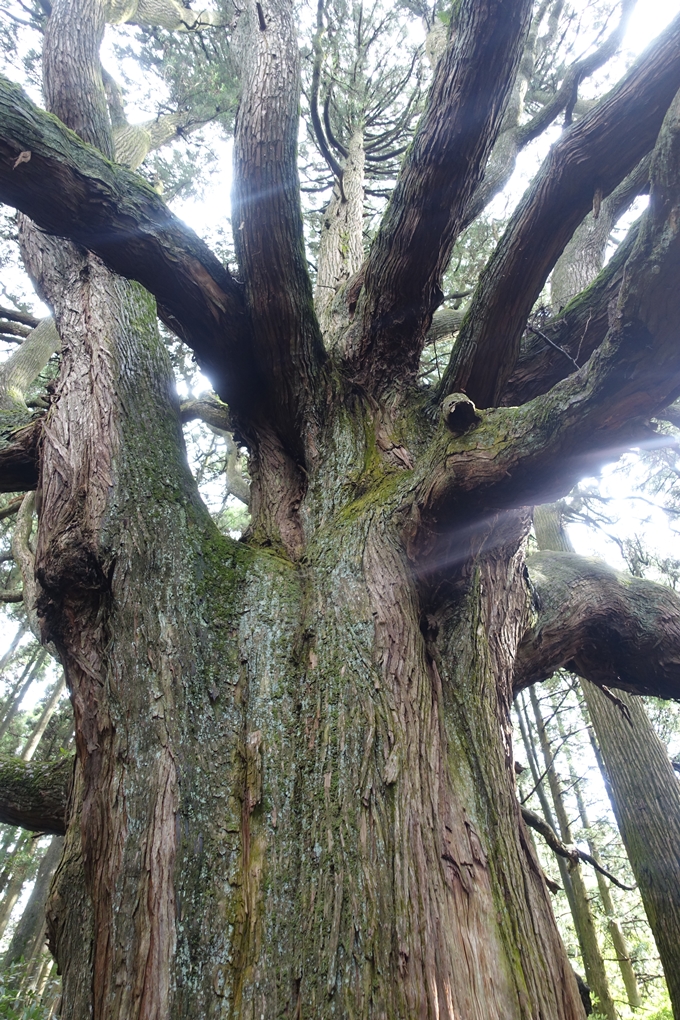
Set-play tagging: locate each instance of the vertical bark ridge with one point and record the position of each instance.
(72, 77)
(158, 726)
(126, 613)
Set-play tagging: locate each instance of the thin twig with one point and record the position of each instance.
(555, 346)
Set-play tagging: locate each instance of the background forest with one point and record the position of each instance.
(172, 98)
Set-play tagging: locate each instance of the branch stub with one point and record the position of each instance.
(459, 413)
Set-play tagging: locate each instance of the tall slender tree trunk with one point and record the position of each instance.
(30, 930)
(21, 630)
(48, 711)
(21, 870)
(546, 807)
(21, 688)
(20, 370)
(579, 901)
(619, 941)
(616, 934)
(645, 796)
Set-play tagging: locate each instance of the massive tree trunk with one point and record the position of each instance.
(284, 798)
(294, 789)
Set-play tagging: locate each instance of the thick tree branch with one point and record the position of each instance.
(34, 794)
(216, 416)
(19, 457)
(209, 410)
(267, 217)
(578, 329)
(445, 323)
(70, 190)
(445, 164)
(171, 15)
(12, 332)
(14, 316)
(24, 558)
(536, 452)
(11, 508)
(583, 167)
(133, 142)
(515, 135)
(613, 629)
(581, 261)
(582, 324)
(25, 364)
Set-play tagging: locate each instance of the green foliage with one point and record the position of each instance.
(233, 519)
(190, 75)
(372, 80)
(27, 1005)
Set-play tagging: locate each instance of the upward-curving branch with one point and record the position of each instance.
(584, 166)
(519, 456)
(446, 161)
